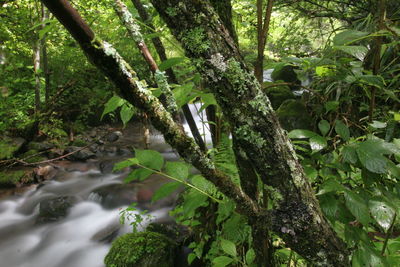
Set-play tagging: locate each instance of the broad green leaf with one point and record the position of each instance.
(225, 210)
(331, 105)
(356, 51)
(178, 170)
(229, 247)
(310, 172)
(165, 190)
(378, 124)
(112, 104)
(150, 158)
(342, 130)
(382, 213)
(201, 183)
(373, 80)
(222, 261)
(208, 99)
(357, 206)
(325, 70)
(126, 163)
(330, 185)
(193, 200)
(173, 61)
(181, 94)
(317, 143)
(138, 174)
(324, 127)
(300, 134)
(250, 256)
(396, 116)
(348, 36)
(127, 112)
(329, 205)
(370, 154)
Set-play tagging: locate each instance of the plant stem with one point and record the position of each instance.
(388, 234)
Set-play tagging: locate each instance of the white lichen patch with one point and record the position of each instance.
(218, 61)
(109, 50)
(261, 103)
(127, 19)
(250, 136)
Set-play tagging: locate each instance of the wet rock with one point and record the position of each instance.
(116, 195)
(10, 146)
(286, 73)
(124, 152)
(79, 153)
(293, 114)
(278, 94)
(114, 136)
(43, 173)
(54, 209)
(108, 233)
(40, 146)
(144, 249)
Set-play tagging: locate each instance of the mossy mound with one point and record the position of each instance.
(32, 156)
(285, 72)
(14, 178)
(293, 114)
(144, 249)
(79, 143)
(9, 146)
(277, 94)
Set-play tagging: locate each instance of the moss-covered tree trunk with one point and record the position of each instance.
(297, 217)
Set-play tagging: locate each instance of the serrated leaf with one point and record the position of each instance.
(150, 158)
(126, 163)
(357, 206)
(317, 143)
(193, 200)
(229, 247)
(127, 112)
(112, 104)
(250, 256)
(138, 174)
(357, 51)
(178, 170)
(349, 154)
(348, 36)
(382, 213)
(324, 127)
(342, 130)
(173, 61)
(165, 190)
(300, 134)
(222, 261)
(203, 184)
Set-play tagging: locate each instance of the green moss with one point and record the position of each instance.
(12, 178)
(195, 40)
(79, 142)
(293, 114)
(278, 94)
(6, 150)
(145, 249)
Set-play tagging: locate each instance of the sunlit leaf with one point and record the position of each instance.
(138, 174)
(112, 104)
(178, 170)
(150, 158)
(222, 261)
(229, 247)
(173, 61)
(127, 112)
(165, 190)
(382, 213)
(126, 163)
(357, 206)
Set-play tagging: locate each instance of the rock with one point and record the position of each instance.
(293, 114)
(52, 210)
(116, 195)
(9, 146)
(278, 94)
(107, 234)
(45, 173)
(13, 178)
(114, 136)
(79, 143)
(40, 146)
(80, 154)
(286, 73)
(144, 249)
(33, 156)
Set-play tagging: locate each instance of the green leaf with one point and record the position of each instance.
(150, 158)
(181, 94)
(372, 80)
(222, 261)
(173, 61)
(126, 163)
(193, 200)
(348, 36)
(138, 174)
(356, 51)
(317, 143)
(165, 190)
(112, 104)
(330, 185)
(370, 153)
(324, 127)
(349, 154)
(300, 134)
(378, 124)
(178, 170)
(382, 213)
(127, 112)
(250, 256)
(342, 130)
(203, 184)
(208, 99)
(229, 247)
(357, 206)
(329, 205)
(331, 105)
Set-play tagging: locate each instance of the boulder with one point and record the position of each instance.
(40, 146)
(13, 178)
(114, 136)
(43, 173)
(144, 249)
(286, 73)
(80, 154)
(277, 94)
(54, 209)
(9, 146)
(293, 114)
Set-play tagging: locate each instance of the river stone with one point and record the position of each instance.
(51, 210)
(144, 249)
(40, 146)
(277, 94)
(293, 114)
(114, 136)
(81, 155)
(287, 74)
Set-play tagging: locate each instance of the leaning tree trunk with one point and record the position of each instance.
(297, 217)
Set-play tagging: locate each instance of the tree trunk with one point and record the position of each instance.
(45, 60)
(297, 217)
(36, 69)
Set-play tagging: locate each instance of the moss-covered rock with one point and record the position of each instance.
(285, 72)
(277, 94)
(9, 146)
(51, 210)
(40, 146)
(32, 156)
(79, 143)
(293, 114)
(15, 177)
(144, 249)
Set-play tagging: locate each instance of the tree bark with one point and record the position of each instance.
(45, 60)
(297, 217)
